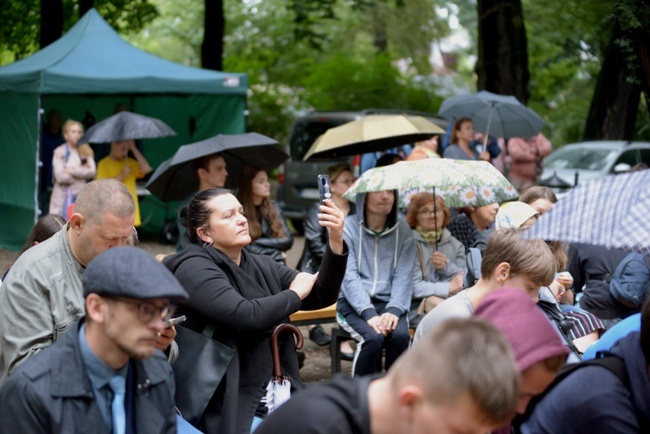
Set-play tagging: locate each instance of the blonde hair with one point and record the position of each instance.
(335, 170)
(529, 257)
(463, 355)
(69, 123)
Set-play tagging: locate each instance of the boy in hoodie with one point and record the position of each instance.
(509, 260)
(376, 292)
(594, 400)
(539, 351)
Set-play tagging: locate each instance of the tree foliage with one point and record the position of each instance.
(21, 20)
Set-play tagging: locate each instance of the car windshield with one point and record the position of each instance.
(585, 158)
(307, 131)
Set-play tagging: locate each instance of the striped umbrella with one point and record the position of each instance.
(613, 211)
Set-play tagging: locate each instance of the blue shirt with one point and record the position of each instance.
(99, 374)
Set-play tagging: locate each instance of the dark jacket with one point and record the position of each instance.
(594, 400)
(269, 245)
(245, 303)
(589, 264)
(315, 240)
(50, 393)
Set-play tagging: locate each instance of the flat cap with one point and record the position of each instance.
(130, 272)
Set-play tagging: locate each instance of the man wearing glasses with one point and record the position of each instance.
(105, 374)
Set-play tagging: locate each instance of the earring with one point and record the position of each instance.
(208, 244)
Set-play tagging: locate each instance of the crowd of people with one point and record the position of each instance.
(460, 323)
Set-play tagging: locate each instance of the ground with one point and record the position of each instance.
(317, 363)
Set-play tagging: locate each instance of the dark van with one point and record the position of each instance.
(298, 188)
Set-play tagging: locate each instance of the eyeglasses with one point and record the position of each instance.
(147, 312)
(428, 212)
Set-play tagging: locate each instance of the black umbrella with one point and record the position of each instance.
(175, 178)
(126, 126)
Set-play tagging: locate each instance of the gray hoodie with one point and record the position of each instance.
(380, 266)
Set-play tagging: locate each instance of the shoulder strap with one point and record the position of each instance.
(424, 273)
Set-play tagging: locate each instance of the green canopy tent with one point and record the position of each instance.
(86, 73)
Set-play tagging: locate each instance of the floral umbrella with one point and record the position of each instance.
(461, 183)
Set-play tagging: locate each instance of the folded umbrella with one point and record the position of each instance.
(126, 126)
(278, 391)
(175, 178)
(372, 133)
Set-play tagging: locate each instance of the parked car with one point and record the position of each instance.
(298, 188)
(579, 162)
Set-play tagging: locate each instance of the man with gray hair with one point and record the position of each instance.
(42, 295)
(104, 375)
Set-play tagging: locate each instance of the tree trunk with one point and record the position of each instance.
(615, 103)
(85, 6)
(51, 21)
(642, 45)
(212, 47)
(379, 36)
(502, 65)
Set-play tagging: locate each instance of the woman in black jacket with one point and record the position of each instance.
(245, 296)
(267, 228)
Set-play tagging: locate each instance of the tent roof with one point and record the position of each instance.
(92, 58)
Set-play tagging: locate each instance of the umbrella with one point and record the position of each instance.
(461, 183)
(498, 115)
(126, 126)
(278, 390)
(611, 211)
(372, 133)
(175, 179)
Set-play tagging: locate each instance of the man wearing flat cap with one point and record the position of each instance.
(104, 375)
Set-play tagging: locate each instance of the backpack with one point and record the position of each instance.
(629, 282)
(607, 360)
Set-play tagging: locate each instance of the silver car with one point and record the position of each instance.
(579, 162)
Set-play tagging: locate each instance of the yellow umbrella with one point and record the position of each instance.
(372, 133)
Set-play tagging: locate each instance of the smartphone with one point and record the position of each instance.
(174, 321)
(324, 187)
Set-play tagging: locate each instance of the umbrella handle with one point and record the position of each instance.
(277, 369)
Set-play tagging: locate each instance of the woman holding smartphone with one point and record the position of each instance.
(245, 296)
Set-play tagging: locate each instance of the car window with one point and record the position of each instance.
(585, 158)
(630, 157)
(306, 132)
(645, 156)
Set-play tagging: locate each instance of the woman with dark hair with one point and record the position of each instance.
(441, 265)
(46, 226)
(267, 227)
(244, 296)
(459, 146)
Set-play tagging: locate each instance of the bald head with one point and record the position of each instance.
(102, 197)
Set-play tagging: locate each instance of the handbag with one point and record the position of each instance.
(201, 365)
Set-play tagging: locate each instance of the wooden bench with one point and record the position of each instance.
(320, 316)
